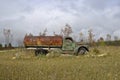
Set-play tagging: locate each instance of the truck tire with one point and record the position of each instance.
(41, 51)
(81, 51)
(36, 52)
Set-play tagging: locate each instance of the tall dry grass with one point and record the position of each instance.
(21, 64)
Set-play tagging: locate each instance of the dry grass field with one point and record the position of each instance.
(101, 63)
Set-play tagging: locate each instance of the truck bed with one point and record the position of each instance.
(43, 41)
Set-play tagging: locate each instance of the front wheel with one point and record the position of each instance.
(81, 51)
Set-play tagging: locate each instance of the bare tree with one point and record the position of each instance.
(81, 36)
(67, 30)
(108, 37)
(8, 36)
(90, 37)
(116, 38)
(43, 33)
(55, 34)
(100, 39)
(30, 34)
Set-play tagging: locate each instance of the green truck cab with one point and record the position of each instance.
(69, 45)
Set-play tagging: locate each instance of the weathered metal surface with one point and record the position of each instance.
(43, 41)
(68, 44)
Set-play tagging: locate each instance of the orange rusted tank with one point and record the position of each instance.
(43, 41)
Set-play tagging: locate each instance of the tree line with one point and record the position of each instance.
(66, 32)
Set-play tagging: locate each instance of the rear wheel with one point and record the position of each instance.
(36, 53)
(41, 51)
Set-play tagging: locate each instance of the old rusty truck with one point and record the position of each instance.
(43, 44)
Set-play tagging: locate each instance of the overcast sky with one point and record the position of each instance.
(33, 16)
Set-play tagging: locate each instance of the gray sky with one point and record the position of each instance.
(33, 16)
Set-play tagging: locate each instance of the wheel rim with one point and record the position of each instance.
(81, 51)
